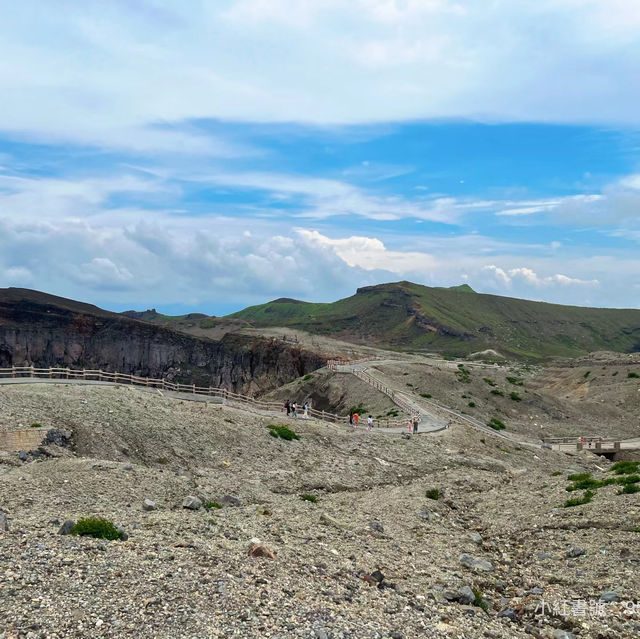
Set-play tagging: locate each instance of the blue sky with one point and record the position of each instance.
(206, 156)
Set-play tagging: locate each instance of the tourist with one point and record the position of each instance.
(294, 409)
(410, 426)
(305, 408)
(287, 406)
(415, 425)
(369, 422)
(356, 417)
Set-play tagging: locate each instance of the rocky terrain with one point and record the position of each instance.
(456, 534)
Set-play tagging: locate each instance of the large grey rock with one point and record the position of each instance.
(149, 504)
(475, 537)
(192, 503)
(66, 527)
(474, 563)
(576, 552)
(465, 596)
(609, 596)
(508, 613)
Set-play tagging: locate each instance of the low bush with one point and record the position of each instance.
(283, 432)
(629, 489)
(427, 395)
(587, 374)
(97, 527)
(471, 404)
(36, 425)
(463, 374)
(579, 501)
(433, 493)
(480, 601)
(632, 375)
(496, 424)
(209, 505)
(306, 497)
(515, 397)
(578, 476)
(497, 391)
(488, 381)
(306, 378)
(515, 381)
(625, 467)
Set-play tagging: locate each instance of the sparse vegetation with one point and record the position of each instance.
(283, 432)
(632, 375)
(587, 374)
(625, 467)
(433, 493)
(463, 374)
(515, 397)
(306, 378)
(556, 473)
(427, 395)
(480, 602)
(629, 489)
(497, 391)
(488, 381)
(496, 424)
(516, 381)
(36, 425)
(579, 501)
(615, 373)
(307, 497)
(210, 505)
(393, 412)
(471, 404)
(97, 527)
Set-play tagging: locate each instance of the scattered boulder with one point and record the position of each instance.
(229, 500)
(508, 613)
(149, 504)
(192, 503)
(562, 634)
(66, 527)
(609, 596)
(475, 564)
(376, 526)
(475, 537)
(58, 437)
(123, 533)
(535, 591)
(328, 520)
(576, 552)
(465, 596)
(261, 550)
(22, 456)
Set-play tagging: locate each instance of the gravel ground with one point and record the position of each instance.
(374, 557)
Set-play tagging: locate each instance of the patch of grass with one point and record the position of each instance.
(497, 391)
(578, 476)
(97, 527)
(306, 497)
(556, 473)
(409, 385)
(587, 374)
(482, 440)
(463, 374)
(360, 409)
(629, 489)
(283, 432)
(633, 375)
(209, 505)
(488, 381)
(496, 424)
(36, 425)
(505, 450)
(307, 378)
(433, 493)
(579, 501)
(471, 404)
(625, 467)
(515, 381)
(628, 479)
(615, 373)
(515, 397)
(480, 601)
(427, 395)
(393, 413)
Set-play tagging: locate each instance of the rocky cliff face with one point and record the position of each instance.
(37, 329)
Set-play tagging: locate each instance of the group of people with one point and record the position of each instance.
(354, 419)
(292, 409)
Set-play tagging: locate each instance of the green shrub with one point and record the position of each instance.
(306, 497)
(496, 424)
(579, 501)
(211, 505)
(97, 527)
(632, 375)
(393, 413)
(629, 489)
(578, 476)
(556, 473)
(587, 374)
(628, 479)
(497, 391)
(306, 378)
(409, 385)
(463, 374)
(208, 323)
(283, 432)
(515, 397)
(433, 493)
(36, 425)
(615, 373)
(488, 381)
(515, 381)
(360, 409)
(480, 601)
(471, 404)
(624, 467)
(427, 395)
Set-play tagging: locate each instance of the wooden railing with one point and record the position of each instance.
(226, 396)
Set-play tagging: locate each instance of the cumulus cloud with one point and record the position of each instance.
(530, 277)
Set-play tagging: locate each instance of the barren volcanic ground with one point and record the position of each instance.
(374, 557)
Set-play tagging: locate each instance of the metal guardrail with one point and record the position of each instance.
(228, 397)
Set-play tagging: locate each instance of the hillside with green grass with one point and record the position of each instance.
(456, 321)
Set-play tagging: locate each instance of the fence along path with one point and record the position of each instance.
(228, 397)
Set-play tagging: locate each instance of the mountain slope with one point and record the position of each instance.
(456, 321)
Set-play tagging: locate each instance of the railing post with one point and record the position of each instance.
(32, 373)
(50, 372)
(13, 370)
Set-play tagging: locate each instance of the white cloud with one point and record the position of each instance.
(127, 75)
(524, 274)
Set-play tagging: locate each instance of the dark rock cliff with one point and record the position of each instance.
(40, 330)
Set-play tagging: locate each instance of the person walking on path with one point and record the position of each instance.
(356, 417)
(305, 408)
(415, 425)
(294, 409)
(369, 422)
(410, 426)
(287, 406)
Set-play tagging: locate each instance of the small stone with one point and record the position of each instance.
(320, 633)
(261, 550)
(544, 555)
(230, 500)
(66, 527)
(149, 504)
(576, 552)
(4, 523)
(509, 613)
(535, 591)
(562, 634)
(192, 503)
(475, 537)
(475, 564)
(376, 526)
(123, 533)
(22, 456)
(54, 522)
(128, 467)
(609, 596)
(465, 596)
(424, 514)
(328, 520)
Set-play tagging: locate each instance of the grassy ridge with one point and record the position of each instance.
(457, 321)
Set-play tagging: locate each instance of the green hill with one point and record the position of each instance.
(456, 321)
